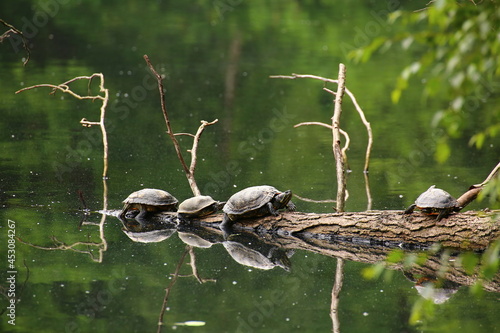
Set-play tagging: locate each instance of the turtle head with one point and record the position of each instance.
(282, 199)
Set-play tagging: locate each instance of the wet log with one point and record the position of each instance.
(470, 230)
(369, 237)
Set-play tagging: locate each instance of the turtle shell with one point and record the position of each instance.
(152, 197)
(435, 198)
(249, 199)
(198, 206)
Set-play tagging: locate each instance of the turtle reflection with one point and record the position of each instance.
(198, 236)
(250, 250)
(149, 231)
(433, 288)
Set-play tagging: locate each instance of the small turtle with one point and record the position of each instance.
(148, 200)
(435, 201)
(199, 206)
(255, 201)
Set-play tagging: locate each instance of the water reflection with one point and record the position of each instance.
(250, 250)
(432, 270)
(440, 267)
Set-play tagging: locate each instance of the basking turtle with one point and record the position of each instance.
(199, 206)
(255, 201)
(148, 200)
(435, 201)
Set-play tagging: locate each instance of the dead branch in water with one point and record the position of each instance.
(15, 31)
(354, 101)
(339, 160)
(189, 171)
(340, 154)
(64, 87)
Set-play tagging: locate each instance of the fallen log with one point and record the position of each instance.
(470, 230)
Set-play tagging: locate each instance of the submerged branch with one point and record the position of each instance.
(337, 287)
(169, 288)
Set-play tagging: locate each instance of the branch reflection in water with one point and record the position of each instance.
(437, 272)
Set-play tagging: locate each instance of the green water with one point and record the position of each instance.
(216, 58)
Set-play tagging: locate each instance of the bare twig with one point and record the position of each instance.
(313, 200)
(189, 171)
(354, 101)
(170, 132)
(490, 176)
(194, 149)
(339, 160)
(344, 133)
(14, 30)
(64, 87)
(472, 193)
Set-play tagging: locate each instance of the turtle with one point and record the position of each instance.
(435, 201)
(255, 201)
(148, 200)
(199, 206)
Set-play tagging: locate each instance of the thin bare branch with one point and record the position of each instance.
(337, 152)
(17, 32)
(194, 149)
(490, 176)
(314, 123)
(344, 133)
(313, 200)
(187, 134)
(64, 87)
(170, 132)
(356, 105)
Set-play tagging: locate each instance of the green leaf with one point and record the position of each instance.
(469, 262)
(373, 272)
(477, 140)
(443, 152)
(395, 256)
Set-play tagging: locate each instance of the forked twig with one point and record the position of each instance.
(354, 101)
(189, 171)
(64, 87)
(16, 31)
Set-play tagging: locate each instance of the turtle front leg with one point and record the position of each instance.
(290, 206)
(272, 210)
(444, 213)
(410, 209)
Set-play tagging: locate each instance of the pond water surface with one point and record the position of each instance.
(81, 272)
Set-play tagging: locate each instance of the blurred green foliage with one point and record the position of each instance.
(456, 45)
